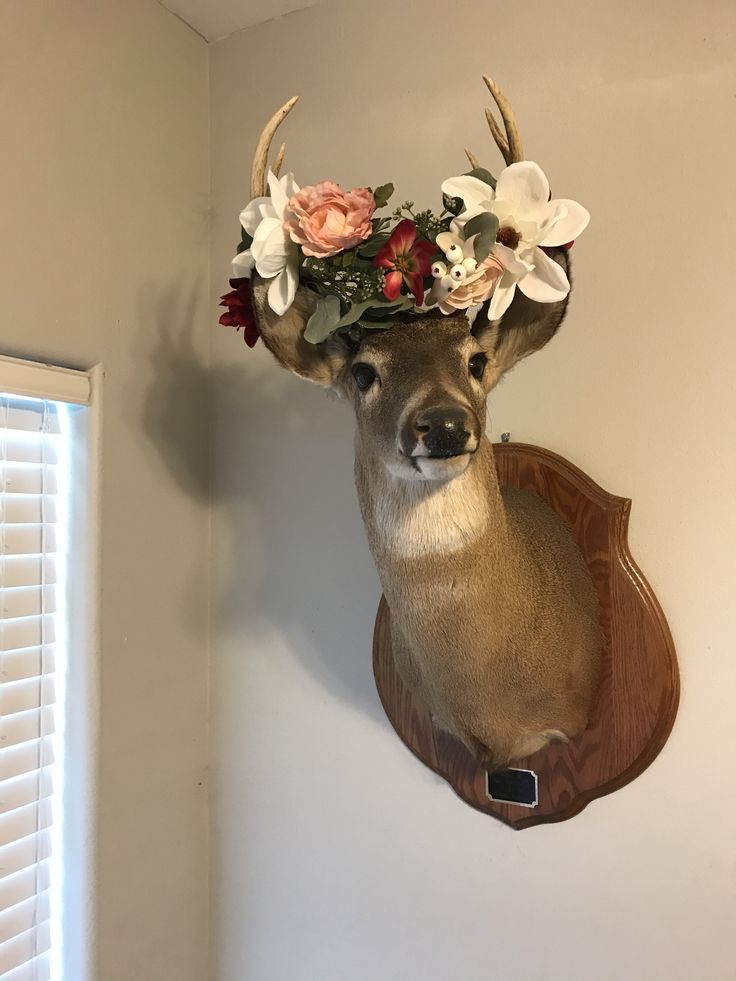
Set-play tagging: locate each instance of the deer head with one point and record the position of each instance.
(418, 387)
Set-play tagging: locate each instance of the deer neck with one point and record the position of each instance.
(419, 519)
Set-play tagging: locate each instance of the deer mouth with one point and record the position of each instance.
(441, 466)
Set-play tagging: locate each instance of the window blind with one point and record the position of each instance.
(32, 479)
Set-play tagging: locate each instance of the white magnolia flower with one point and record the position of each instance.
(527, 219)
(272, 251)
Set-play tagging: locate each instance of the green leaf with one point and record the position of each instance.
(379, 314)
(374, 309)
(453, 205)
(482, 247)
(383, 194)
(372, 246)
(375, 324)
(483, 175)
(485, 222)
(485, 227)
(324, 320)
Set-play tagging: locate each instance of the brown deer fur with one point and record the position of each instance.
(493, 612)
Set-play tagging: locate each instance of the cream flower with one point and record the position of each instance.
(528, 221)
(272, 252)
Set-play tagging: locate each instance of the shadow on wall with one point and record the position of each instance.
(176, 413)
(298, 563)
(292, 562)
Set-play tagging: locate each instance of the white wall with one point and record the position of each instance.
(103, 258)
(336, 854)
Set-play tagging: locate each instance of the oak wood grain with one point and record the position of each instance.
(639, 693)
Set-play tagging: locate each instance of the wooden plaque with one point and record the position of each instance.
(639, 693)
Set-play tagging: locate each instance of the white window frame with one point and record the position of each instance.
(78, 927)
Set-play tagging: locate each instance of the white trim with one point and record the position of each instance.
(83, 699)
(44, 381)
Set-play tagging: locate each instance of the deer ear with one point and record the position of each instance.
(284, 336)
(525, 327)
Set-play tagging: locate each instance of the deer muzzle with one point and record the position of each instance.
(441, 432)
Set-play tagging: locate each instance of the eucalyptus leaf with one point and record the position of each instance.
(383, 194)
(484, 223)
(324, 320)
(482, 246)
(485, 227)
(374, 309)
(379, 313)
(483, 175)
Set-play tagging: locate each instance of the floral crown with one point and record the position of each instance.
(489, 239)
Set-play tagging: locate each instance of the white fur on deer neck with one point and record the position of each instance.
(414, 518)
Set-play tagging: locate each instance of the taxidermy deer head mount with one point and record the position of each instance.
(494, 616)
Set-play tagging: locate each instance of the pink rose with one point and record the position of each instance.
(475, 288)
(328, 220)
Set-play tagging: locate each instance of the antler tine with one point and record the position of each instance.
(472, 159)
(501, 142)
(279, 160)
(510, 146)
(258, 185)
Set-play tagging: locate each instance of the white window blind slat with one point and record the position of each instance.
(27, 539)
(28, 787)
(27, 570)
(28, 757)
(28, 662)
(25, 853)
(24, 885)
(24, 948)
(24, 726)
(25, 822)
(24, 601)
(21, 416)
(24, 916)
(27, 631)
(37, 969)
(27, 478)
(27, 509)
(25, 447)
(23, 696)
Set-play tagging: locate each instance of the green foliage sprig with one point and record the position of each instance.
(429, 225)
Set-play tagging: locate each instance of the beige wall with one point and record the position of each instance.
(103, 258)
(336, 854)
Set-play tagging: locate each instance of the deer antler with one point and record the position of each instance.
(509, 143)
(258, 184)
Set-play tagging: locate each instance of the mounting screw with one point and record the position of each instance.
(505, 437)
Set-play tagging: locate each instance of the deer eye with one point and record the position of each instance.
(477, 365)
(364, 376)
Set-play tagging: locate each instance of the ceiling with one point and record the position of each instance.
(215, 19)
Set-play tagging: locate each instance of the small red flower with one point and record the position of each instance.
(408, 260)
(239, 314)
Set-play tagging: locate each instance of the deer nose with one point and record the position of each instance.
(443, 429)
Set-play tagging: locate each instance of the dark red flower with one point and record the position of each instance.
(239, 314)
(407, 260)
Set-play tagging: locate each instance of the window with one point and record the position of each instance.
(37, 553)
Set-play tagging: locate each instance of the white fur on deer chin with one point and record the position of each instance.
(420, 517)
